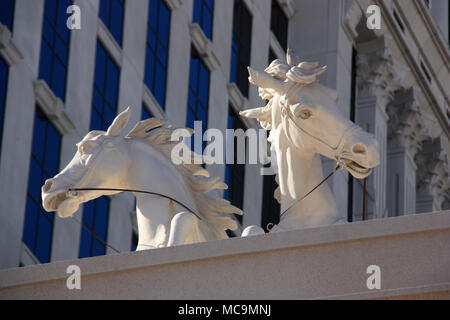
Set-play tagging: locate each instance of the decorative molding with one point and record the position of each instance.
(250, 6)
(237, 99)
(8, 49)
(405, 125)
(432, 175)
(173, 4)
(52, 106)
(239, 103)
(351, 20)
(376, 72)
(203, 46)
(288, 7)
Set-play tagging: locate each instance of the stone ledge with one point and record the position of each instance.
(412, 251)
(52, 106)
(203, 46)
(8, 49)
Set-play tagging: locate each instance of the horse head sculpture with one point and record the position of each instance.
(172, 205)
(305, 122)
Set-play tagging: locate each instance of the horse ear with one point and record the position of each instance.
(264, 80)
(119, 123)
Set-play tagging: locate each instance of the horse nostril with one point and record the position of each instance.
(47, 186)
(359, 149)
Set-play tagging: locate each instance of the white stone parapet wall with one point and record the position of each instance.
(412, 252)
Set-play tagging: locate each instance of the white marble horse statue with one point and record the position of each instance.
(177, 212)
(305, 122)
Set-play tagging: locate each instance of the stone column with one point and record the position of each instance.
(433, 184)
(376, 81)
(405, 136)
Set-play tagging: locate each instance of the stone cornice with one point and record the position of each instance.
(432, 174)
(203, 46)
(288, 7)
(8, 49)
(173, 4)
(52, 106)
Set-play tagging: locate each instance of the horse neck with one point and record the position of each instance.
(150, 171)
(299, 171)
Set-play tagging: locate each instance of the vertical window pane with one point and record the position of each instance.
(203, 15)
(279, 24)
(198, 98)
(7, 13)
(38, 225)
(235, 173)
(55, 46)
(158, 30)
(31, 221)
(3, 89)
(241, 42)
(103, 112)
(145, 114)
(112, 12)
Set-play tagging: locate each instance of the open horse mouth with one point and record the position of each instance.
(356, 169)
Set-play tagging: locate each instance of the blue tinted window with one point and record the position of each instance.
(103, 112)
(7, 13)
(198, 97)
(234, 172)
(3, 89)
(241, 45)
(203, 15)
(157, 51)
(44, 164)
(145, 114)
(95, 217)
(55, 46)
(111, 12)
(106, 88)
(279, 24)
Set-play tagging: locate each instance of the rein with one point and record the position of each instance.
(104, 243)
(270, 225)
(137, 191)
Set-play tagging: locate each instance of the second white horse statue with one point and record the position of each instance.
(305, 122)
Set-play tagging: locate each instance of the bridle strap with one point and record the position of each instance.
(287, 114)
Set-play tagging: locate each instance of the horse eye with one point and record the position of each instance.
(304, 114)
(85, 147)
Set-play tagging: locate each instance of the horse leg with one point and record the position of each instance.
(183, 229)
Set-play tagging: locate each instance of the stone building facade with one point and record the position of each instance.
(393, 81)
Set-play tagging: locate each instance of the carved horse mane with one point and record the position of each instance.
(196, 177)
